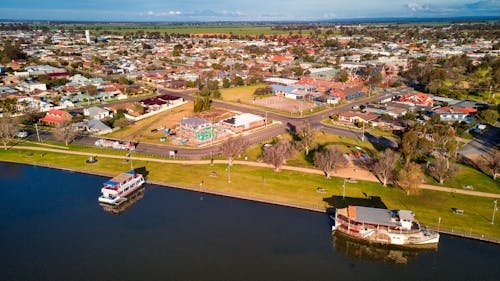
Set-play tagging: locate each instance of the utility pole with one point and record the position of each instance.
(494, 210)
(37, 134)
(363, 133)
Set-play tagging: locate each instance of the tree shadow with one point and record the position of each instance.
(336, 202)
(142, 171)
(380, 142)
(310, 157)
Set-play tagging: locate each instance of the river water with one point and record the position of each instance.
(52, 228)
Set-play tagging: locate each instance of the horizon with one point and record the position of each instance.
(241, 11)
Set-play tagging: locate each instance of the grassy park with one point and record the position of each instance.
(124, 29)
(242, 94)
(285, 186)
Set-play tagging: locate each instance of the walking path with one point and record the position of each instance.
(354, 173)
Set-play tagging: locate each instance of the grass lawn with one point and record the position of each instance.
(289, 186)
(243, 94)
(472, 177)
(141, 130)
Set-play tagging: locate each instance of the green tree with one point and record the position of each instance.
(488, 116)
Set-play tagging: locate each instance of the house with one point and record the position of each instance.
(452, 114)
(56, 117)
(97, 113)
(287, 92)
(97, 127)
(161, 101)
(418, 99)
(355, 92)
(243, 122)
(392, 111)
(352, 117)
(388, 123)
(197, 128)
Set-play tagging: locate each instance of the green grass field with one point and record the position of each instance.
(240, 94)
(288, 186)
(179, 28)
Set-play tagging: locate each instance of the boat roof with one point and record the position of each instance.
(371, 215)
(123, 177)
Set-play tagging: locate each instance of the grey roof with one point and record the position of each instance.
(93, 111)
(96, 124)
(374, 216)
(285, 89)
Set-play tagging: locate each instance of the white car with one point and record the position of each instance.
(22, 134)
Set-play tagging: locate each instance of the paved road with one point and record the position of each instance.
(482, 144)
(286, 123)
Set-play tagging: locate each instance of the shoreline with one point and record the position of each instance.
(451, 232)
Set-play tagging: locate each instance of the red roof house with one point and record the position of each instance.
(56, 117)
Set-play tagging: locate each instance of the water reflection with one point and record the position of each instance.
(131, 201)
(375, 252)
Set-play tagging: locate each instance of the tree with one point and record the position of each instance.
(384, 168)
(65, 132)
(489, 116)
(442, 169)
(233, 147)
(138, 108)
(306, 137)
(409, 145)
(492, 164)
(410, 177)
(329, 160)
(277, 154)
(343, 76)
(8, 129)
(226, 83)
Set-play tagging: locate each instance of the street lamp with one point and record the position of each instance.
(343, 189)
(494, 210)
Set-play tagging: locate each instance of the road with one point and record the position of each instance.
(482, 144)
(284, 124)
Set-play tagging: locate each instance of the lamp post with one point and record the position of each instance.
(343, 189)
(494, 210)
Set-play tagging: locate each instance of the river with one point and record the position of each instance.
(52, 228)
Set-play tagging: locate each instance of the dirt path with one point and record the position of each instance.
(354, 173)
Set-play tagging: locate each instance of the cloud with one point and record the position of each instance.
(161, 13)
(415, 7)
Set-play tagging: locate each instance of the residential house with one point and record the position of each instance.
(56, 117)
(353, 117)
(418, 100)
(96, 113)
(452, 114)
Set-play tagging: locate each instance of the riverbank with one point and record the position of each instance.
(292, 188)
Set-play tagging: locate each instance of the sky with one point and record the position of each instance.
(240, 10)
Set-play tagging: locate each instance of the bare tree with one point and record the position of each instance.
(65, 132)
(384, 168)
(410, 177)
(442, 169)
(277, 154)
(232, 148)
(8, 129)
(329, 160)
(492, 164)
(306, 137)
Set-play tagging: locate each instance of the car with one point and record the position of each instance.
(22, 134)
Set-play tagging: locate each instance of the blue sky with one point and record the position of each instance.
(240, 10)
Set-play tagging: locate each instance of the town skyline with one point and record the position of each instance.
(278, 10)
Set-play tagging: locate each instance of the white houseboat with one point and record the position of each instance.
(394, 227)
(115, 190)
